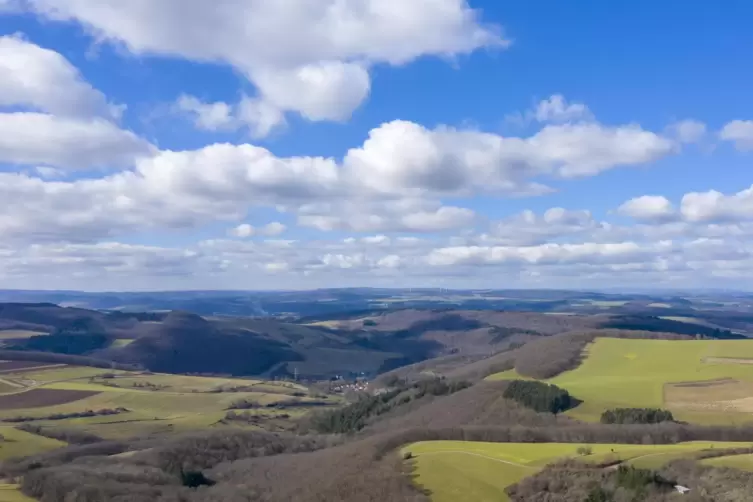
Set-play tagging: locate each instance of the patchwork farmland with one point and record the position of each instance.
(120, 404)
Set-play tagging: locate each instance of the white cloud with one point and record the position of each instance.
(404, 157)
(71, 143)
(44, 80)
(649, 207)
(740, 132)
(557, 109)
(527, 228)
(688, 131)
(259, 117)
(273, 229)
(308, 57)
(393, 182)
(715, 206)
(545, 253)
(243, 230)
(401, 215)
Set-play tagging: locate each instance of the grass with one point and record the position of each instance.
(63, 373)
(19, 443)
(640, 373)
(742, 462)
(478, 471)
(11, 493)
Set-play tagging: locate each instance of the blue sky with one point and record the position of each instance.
(254, 144)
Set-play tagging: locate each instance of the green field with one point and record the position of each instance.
(715, 378)
(458, 470)
(19, 443)
(10, 493)
(742, 462)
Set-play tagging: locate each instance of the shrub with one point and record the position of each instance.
(195, 479)
(584, 451)
(540, 396)
(636, 416)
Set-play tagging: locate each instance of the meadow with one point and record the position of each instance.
(479, 471)
(741, 462)
(700, 381)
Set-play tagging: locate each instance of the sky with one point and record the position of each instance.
(295, 144)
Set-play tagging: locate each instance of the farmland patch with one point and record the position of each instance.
(39, 398)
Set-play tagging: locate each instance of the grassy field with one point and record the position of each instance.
(704, 381)
(155, 402)
(11, 493)
(742, 462)
(458, 470)
(20, 443)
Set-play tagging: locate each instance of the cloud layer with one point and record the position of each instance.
(408, 204)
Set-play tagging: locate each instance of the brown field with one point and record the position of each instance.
(39, 398)
(724, 395)
(20, 366)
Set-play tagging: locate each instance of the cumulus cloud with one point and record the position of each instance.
(394, 182)
(740, 132)
(557, 109)
(688, 131)
(259, 117)
(303, 56)
(404, 157)
(67, 142)
(44, 80)
(545, 253)
(272, 229)
(528, 228)
(401, 215)
(714, 206)
(648, 207)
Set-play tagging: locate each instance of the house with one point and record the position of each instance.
(682, 489)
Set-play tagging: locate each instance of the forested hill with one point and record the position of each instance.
(367, 343)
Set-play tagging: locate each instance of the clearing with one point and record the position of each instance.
(479, 471)
(684, 376)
